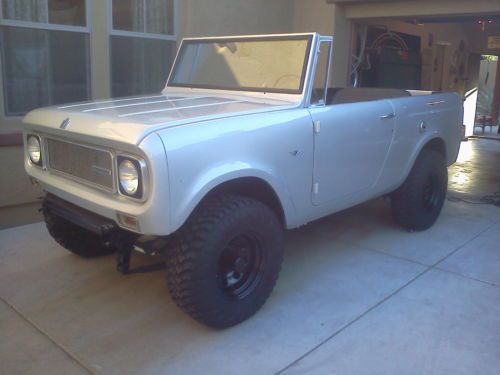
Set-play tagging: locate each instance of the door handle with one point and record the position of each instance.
(436, 103)
(422, 127)
(388, 116)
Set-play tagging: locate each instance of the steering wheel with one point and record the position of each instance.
(288, 75)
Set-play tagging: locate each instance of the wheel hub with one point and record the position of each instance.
(430, 194)
(240, 266)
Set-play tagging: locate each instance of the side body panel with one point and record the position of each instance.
(351, 142)
(358, 163)
(419, 119)
(187, 161)
(276, 148)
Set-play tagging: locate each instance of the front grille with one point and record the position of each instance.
(85, 163)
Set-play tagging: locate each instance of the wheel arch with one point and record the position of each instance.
(417, 203)
(254, 184)
(252, 187)
(434, 143)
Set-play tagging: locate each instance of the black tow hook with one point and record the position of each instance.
(152, 246)
(123, 256)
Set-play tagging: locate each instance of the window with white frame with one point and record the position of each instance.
(45, 53)
(143, 45)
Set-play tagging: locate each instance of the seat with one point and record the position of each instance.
(337, 95)
(352, 95)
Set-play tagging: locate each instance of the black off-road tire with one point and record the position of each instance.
(74, 238)
(198, 264)
(417, 204)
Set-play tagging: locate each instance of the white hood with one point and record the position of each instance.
(129, 120)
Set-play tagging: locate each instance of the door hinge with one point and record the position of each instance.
(317, 126)
(315, 188)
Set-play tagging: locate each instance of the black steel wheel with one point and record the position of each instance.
(225, 260)
(241, 265)
(431, 193)
(417, 204)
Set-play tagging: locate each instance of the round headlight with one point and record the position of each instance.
(129, 177)
(34, 149)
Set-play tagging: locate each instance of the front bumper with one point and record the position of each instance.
(122, 240)
(90, 221)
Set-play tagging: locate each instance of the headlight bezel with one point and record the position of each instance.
(140, 166)
(38, 139)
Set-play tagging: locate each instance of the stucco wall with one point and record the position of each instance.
(326, 19)
(313, 15)
(230, 17)
(226, 17)
(15, 187)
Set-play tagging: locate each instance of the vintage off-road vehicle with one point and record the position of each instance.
(245, 141)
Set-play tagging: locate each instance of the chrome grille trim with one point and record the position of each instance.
(87, 164)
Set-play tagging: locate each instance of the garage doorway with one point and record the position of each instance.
(485, 124)
(456, 53)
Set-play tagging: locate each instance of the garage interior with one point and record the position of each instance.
(440, 53)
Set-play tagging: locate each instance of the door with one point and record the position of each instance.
(351, 142)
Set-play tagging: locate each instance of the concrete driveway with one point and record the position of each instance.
(357, 295)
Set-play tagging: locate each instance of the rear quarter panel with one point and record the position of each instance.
(442, 114)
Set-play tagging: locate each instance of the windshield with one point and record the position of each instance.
(275, 64)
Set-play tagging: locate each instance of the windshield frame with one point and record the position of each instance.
(309, 37)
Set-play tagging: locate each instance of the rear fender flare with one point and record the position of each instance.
(421, 145)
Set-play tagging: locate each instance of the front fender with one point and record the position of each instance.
(276, 148)
(184, 199)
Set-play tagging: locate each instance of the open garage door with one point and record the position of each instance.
(454, 53)
(436, 45)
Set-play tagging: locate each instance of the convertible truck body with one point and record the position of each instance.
(226, 122)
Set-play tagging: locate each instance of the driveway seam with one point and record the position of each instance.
(366, 312)
(70, 355)
(382, 252)
(347, 325)
(368, 248)
(465, 243)
(467, 277)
